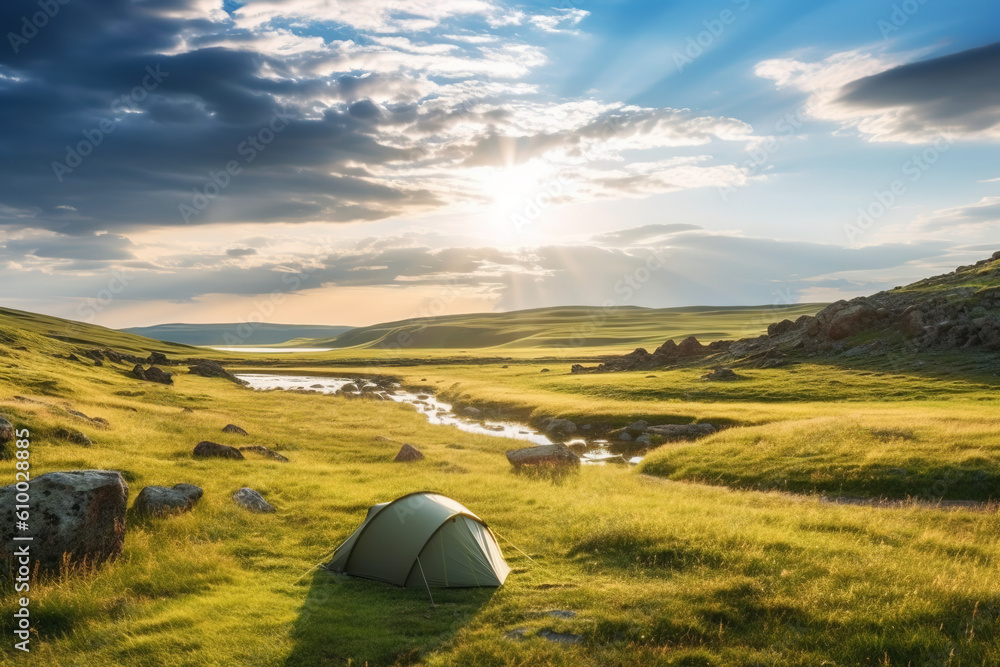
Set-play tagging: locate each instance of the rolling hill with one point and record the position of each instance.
(570, 326)
(39, 332)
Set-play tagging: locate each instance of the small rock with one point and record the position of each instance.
(624, 436)
(315, 386)
(157, 358)
(264, 451)
(637, 427)
(643, 440)
(161, 501)
(563, 426)
(233, 428)
(543, 455)
(721, 375)
(561, 613)
(73, 436)
(544, 370)
(249, 499)
(208, 449)
(408, 453)
(152, 374)
(472, 412)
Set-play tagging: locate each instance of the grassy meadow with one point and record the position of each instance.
(696, 557)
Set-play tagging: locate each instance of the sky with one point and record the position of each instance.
(360, 161)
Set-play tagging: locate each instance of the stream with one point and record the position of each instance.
(591, 451)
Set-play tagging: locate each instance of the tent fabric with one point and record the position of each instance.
(424, 532)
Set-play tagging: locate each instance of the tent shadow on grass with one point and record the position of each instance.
(347, 620)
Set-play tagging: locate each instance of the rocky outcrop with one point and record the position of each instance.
(955, 311)
(408, 453)
(212, 369)
(543, 455)
(208, 449)
(249, 499)
(156, 501)
(76, 517)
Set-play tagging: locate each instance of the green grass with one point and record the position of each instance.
(658, 572)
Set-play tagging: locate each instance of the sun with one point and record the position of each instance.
(518, 197)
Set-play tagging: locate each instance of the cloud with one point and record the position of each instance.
(97, 247)
(956, 95)
(981, 216)
(643, 234)
(393, 121)
(241, 252)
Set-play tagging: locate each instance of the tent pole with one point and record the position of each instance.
(425, 582)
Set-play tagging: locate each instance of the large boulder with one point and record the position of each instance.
(682, 431)
(851, 321)
(208, 449)
(543, 455)
(213, 369)
(77, 516)
(779, 328)
(912, 322)
(249, 499)
(161, 501)
(408, 453)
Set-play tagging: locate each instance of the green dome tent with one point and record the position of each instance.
(422, 539)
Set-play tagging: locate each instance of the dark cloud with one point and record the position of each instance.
(241, 252)
(151, 129)
(101, 247)
(956, 93)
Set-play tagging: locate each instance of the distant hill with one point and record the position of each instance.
(239, 333)
(574, 326)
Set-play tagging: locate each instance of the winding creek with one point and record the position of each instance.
(592, 451)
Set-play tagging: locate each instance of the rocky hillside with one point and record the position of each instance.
(955, 311)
